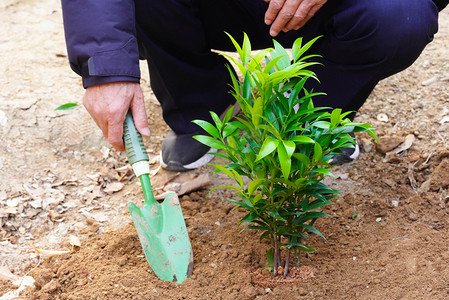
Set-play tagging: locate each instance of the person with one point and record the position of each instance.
(363, 42)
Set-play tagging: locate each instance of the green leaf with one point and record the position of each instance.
(302, 158)
(284, 160)
(301, 247)
(236, 45)
(296, 48)
(322, 124)
(253, 185)
(248, 218)
(224, 170)
(335, 117)
(268, 147)
(323, 171)
(313, 229)
(269, 68)
(284, 62)
(238, 178)
(257, 111)
(67, 106)
(301, 139)
(317, 152)
(217, 120)
(275, 214)
(208, 127)
(228, 114)
(289, 147)
(246, 88)
(303, 49)
(209, 141)
(245, 54)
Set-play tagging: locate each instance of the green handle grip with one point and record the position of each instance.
(135, 149)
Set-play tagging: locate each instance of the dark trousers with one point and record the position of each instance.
(364, 41)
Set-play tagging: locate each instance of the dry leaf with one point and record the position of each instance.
(430, 81)
(10, 210)
(74, 241)
(189, 186)
(444, 120)
(5, 274)
(409, 139)
(113, 187)
(51, 252)
(105, 152)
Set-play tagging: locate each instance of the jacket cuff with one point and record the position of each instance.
(97, 80)
(114, 65)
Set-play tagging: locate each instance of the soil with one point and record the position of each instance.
(386, 237)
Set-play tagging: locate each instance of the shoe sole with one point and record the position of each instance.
(176, 166)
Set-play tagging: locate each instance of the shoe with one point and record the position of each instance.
(348, 155)
(181, 152)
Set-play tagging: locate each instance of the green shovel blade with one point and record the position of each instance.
(160, 226)
(164, 238)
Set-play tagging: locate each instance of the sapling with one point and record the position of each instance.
(282, 144)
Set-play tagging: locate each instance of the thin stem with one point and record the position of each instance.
(275, 259)
(287, 262)
(279, 250)
(299, 259)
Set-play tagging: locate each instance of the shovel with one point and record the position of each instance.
(160, 226)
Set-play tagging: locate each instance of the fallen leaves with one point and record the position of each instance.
(51, 253)
(187, 183)
(75, 241)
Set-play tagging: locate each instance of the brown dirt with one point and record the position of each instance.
(386, 237)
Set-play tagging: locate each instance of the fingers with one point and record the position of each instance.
(273, 9)
(286, 15)
(108, 105)
(139, 113)
(302, 16)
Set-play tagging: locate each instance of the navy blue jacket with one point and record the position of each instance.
(101, 39)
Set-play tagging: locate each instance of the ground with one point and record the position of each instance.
(386, 237)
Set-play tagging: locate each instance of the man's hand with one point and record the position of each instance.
(286, 15)
(108, 104)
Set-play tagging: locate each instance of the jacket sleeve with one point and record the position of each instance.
(101, 40)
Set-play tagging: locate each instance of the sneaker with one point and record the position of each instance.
(348, 155)
(181, 152)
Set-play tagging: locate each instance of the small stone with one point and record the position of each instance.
(388, 143)
(122, 262)
(250, 292)
(51, 287)
(413, 217)
(302, 291)
(382, 117)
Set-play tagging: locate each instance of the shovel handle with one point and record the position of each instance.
(137, 155)
(135, 148)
